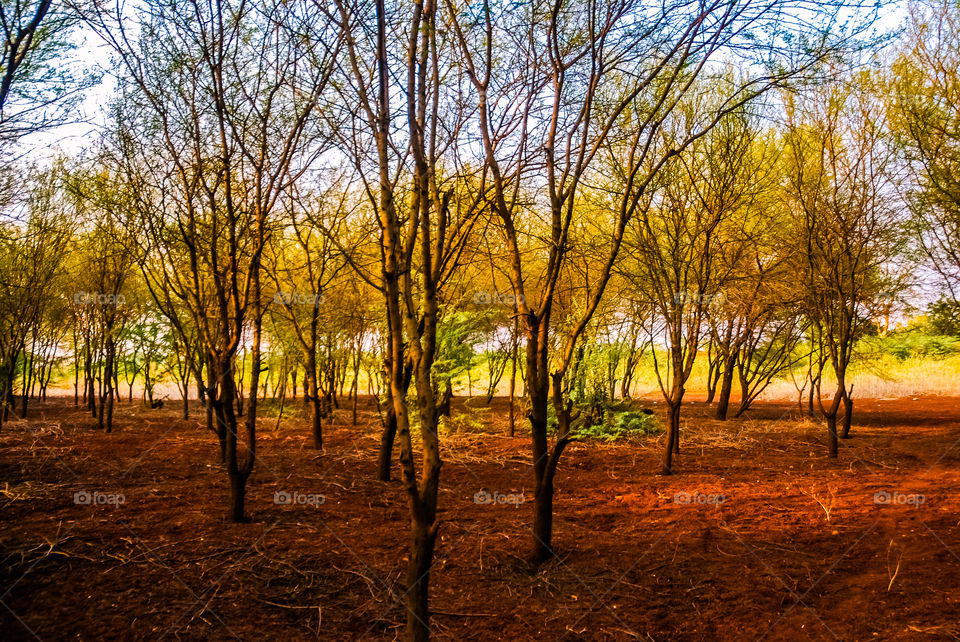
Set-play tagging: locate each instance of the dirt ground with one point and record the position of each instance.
(760, 536)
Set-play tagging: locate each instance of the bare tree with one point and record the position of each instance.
(924, 112)
(303, 264)
(40, 81)
(33, 245)
(841, 186)
(216, 126)
(422, 228)
(559, 87)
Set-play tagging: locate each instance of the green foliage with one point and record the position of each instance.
(470, 421)
(943, 318)
(912, 344)
(48, 76)
(595, 372)
(621, 425)
(551, 418)
(591, 392)
(458, 334)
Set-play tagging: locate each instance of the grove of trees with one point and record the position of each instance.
(317, 201)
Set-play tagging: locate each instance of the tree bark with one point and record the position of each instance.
(106, 399)
(673, 438)
(387, 437)
(726, 387)
(312, 394)
(847, 415)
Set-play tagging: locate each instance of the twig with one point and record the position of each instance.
(896, 571)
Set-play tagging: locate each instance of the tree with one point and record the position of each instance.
(755, 321)
(39, 82)
(422, 227)
(32, 250)
(689, 241)
(840, 157)
(925, 115)
(109, 265)
(215, 127)
(560, 88)
(303, 264)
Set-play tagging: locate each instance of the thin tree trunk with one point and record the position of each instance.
(106, 398)
(513, 375)
(726, 387)
(830, 414)
(227, 418)
(76, 371)
(186, 394)
(387, 436)
(27, 377)
(847, 414)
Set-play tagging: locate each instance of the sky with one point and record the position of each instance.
(71, 139)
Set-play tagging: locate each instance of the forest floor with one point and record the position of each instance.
(799, 546)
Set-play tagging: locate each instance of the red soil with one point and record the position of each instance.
(633, 562)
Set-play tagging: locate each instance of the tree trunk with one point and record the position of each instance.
(847, 415)
(219, 429)
(227, 418)
(676, 432)
(543, 521)
(106, 399)
(356, 393)
(726, 386)
(543, 493)
(355, 386)
(387, 437)
(745, 399)
(311, 394)
(8, 400)
(390, 426)
(545, 462)
(832, 434)
(714, 369)
(215, 423)
(316, 421)
(76, 370)
(830, 414)
(418, 577)
(27, 375)
(513, 385)
(186, 395)
(46, 382)
(6, 387)
(109, 409)
(240, 472)
(28, 364)
(673, 438)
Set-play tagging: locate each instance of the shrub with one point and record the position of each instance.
(621, 425)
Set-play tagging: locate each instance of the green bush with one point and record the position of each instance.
(943, 318)
(911, 344)
(621, 425)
